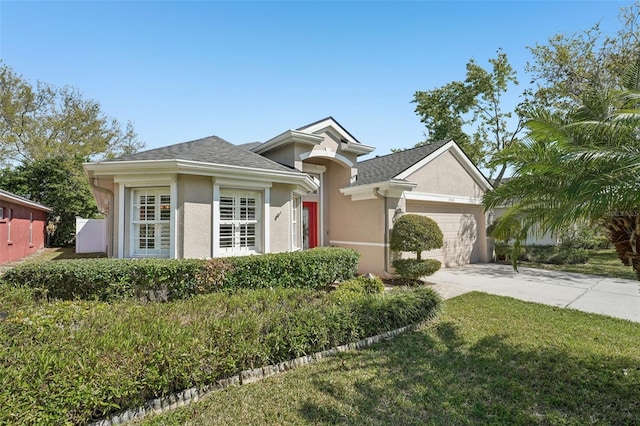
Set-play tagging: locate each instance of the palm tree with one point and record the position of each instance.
(582, 167)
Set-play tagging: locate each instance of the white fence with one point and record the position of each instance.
(91, 235)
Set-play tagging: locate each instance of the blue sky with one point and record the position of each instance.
(247, 71)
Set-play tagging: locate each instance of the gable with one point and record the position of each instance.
(446, 174)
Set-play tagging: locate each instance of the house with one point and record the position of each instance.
(22, 227)
(300, 189)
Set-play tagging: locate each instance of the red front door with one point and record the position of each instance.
(309, 224)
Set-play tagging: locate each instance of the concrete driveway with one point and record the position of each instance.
(609, 296)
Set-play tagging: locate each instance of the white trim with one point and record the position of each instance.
(359, 243)
(130, 171)
(266, 219)
(145, 180)
(216, 221)
(296, 222)
(356, 148)
(243, 184)
(173, 194)
(329, 122)
(121, 220)
(313, 168)
(321, 209)
(286, 137)
(326, 153)
(390, 188)
(442, 198)
(459, 155)
(133, 242)
(15, 199)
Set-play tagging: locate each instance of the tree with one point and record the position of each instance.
(581, 166)
(58, 183)
(416, 234)
(476, 102)
(563, 68)
(42, 121)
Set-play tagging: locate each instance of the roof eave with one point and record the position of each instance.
(356, 148)
(290, 136)
(144, 167)
(393, 188)
(23, 201)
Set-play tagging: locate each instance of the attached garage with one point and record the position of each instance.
(459, 225)
(436, 180)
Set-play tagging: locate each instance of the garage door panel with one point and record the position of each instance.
(459, 225)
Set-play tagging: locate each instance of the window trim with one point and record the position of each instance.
(156, 222)
(237, 222)
(296, 222)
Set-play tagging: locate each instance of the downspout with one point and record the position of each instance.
(94, 186)
(378, 195)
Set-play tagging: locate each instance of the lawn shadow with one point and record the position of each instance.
(435, 376)
(66, 253)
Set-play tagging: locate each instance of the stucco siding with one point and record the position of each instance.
(445, 175)
(195, 198)
(279, 218)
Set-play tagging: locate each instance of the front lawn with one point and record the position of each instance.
(488, 360)
(601, 262)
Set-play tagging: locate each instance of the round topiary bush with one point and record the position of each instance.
(416, 268)
(416, 233)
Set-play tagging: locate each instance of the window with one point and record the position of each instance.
(151, 221)
(239, 221)
(295, 223)
(1, 213)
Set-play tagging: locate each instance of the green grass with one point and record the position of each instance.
(601, 262)
(488, 360)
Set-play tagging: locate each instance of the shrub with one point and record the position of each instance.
(170, 279)
(415, 233)
(303, 269)
(361, 285)
(558, 255)
(416, 268)
(585, 237)
(75, 362)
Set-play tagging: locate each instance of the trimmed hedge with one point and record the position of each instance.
(415, 268)
(75, 362)
(362, 285)
(170, 279)
(557, 255)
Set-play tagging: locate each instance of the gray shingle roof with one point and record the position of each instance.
(386, 167)
(9, 195)
(211, 149)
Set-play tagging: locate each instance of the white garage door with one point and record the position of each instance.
(459, 225)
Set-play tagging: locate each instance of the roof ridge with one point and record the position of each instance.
(443, 142)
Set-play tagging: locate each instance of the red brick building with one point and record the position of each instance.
(22, 227)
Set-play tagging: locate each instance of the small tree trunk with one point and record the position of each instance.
(624, 232)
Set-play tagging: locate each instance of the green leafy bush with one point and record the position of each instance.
(73, 362)
(415, 233)
(303, 269)
(585, 237)
(416, 268)
(359, 286)
(558, 255)
(170, 279)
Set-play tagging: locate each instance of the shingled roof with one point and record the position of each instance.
(386, 167)
(211, 149)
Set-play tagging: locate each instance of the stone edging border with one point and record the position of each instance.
(186, 397)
